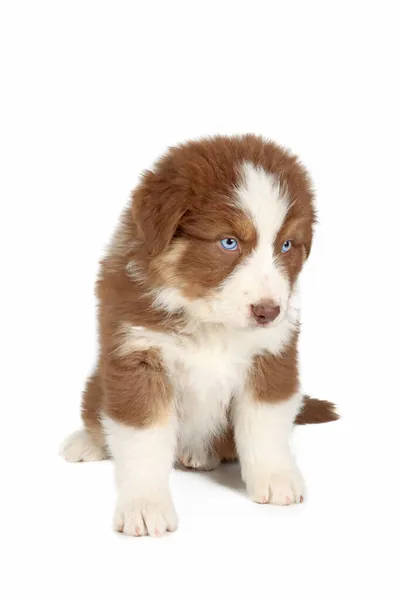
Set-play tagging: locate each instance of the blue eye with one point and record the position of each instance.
(286, 246)
(229, 244)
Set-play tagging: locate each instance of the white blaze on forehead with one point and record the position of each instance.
(259, 195)
(259, 277)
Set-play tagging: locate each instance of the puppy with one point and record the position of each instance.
(198, 322)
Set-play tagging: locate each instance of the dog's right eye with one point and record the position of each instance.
(229, 244)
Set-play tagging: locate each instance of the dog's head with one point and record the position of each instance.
(227, 224)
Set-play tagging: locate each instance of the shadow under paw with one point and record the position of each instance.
(228, 475)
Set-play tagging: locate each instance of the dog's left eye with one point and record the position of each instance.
(229, 244)
(286, 246)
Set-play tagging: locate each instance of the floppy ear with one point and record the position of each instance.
(310, 234)
(157, 208)
(308, 243)
(301, 230)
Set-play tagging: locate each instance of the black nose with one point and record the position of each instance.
(265, 312)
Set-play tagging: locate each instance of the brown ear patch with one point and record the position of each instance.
(157, 211)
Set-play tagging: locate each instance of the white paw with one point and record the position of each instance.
(199, 460)
(280, 487)
(80, 447)
(145, 516)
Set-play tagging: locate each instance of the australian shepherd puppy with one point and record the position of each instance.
(198, 323)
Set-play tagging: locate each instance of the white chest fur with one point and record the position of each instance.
(206, 368)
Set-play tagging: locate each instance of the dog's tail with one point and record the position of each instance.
(316, 411)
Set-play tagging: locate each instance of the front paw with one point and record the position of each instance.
(153, 515)
(269, 486)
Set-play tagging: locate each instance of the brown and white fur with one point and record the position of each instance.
(192, 366)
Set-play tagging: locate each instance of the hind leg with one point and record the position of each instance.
(88, 444)
(222, 449)
(224, 446)
(199, 459)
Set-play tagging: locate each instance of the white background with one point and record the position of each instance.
(91, 93)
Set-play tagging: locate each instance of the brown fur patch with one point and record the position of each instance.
(91, 402)
(138, 390)
(197, 270)
(316, 411)
(224, 446)
(299, 232)
(275, 378)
